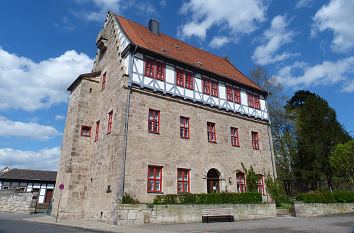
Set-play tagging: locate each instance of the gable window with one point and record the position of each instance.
(154, 181)
(260, 184)
(253, 101)
(179, 78)
(214, 88)
(183, 180)
(229, 95)
(206, 86)
(184, 127)
(255, 141)
(85, 131)
(160, 71)
(188, 80)
(234, 137)
(154, 121)
(103, 84)
(237, 96)
(97, 130)
(149, 68)
(241, 182)
(211, 132)
(109, 125)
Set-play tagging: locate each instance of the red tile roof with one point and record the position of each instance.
(178, 50)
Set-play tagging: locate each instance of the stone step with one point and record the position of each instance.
(283, 213)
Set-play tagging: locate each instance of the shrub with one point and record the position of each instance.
(276, 191)
(128, 199)
(209, 198)
(327, 197)
(252, 179)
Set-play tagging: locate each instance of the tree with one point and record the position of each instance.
(342, 160)
(317, 131)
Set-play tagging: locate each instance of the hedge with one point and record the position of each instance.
(327, 197)
(209, 198)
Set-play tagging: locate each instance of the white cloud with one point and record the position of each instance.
(219, 41)
(29, 85)
(46, 159)
(103, 7)
(235, 16)
(303, 4)
(327, 73)
(273, 39)
(337, 16)
(26, 129)
(59, 117)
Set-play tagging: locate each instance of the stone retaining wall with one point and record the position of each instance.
(317, 209)
(19, 202)
(141, 213)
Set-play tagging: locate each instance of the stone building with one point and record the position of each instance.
(154, 116)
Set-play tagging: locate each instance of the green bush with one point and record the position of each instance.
(276, 191)
(326, 197)
(127, 199)
(209, 198)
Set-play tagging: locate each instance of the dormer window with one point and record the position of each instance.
(154, 69)
(184, 79)
(253, 101)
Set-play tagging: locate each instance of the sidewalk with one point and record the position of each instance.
(91, 225)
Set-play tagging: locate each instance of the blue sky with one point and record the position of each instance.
(46, 44)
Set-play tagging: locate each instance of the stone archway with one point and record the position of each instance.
(213, 181)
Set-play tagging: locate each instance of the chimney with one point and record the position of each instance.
(154, 26)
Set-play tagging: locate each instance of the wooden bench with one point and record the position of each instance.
(217, 215)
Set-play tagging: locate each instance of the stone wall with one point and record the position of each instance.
(141, 213)
(317, 209)
(19, 202)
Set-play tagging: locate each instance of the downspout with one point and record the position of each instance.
(271, 146)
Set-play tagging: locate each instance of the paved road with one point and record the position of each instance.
(15, 224)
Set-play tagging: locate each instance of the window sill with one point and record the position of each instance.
(235, 145)
(212, 142)
(184, 138)
(150, 192)
(154, 132)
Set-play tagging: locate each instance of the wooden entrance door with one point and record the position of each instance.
(48, 195)
(213, 185)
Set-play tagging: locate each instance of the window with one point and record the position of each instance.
(184, 127)
(240, 182)
(214, 89)
(206, 86)
(154, 121)
(237, 96)
(85, 131)
(97, 130)
(229, 95)
(260, 184)
(234, 137)
(103, 84)
(179, 78)
(211, 132)
(160, 71)
(253, 101)
(149, 68)
(183, 180)
(154, 181)
(255, 142)
(109, 125)
(188, 80)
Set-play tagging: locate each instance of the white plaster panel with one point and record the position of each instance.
(263, 105)
(170, 74)
(42, 191)
(180, 90)
(160, 84)
(41, 199)
(147, 80)
(136, 78)
(37, 185)
(23, 183)
(169, 86)
(138, 66)
(189, 93)
(6, 183)
(244, 99)
(29, 189)
(198, 84)
(50, 186)
(222, 91)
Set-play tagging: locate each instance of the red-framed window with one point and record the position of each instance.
(179, 78)
(206, 86)
(104, 79)
(241, 182)
(188, 80)
(260, 184)
(183, 180)
(154, 179)
(97, 130)
(211, 132)
(234, 137)
(160, 71)
(253, 101)
(184, 127)
(229, 94)
(85, 131)
(214, 88)
(154, 121)
(109, 124)
(237, 96)
(255, 141)
(149, 68)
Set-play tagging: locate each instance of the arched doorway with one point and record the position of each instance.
(213, 185)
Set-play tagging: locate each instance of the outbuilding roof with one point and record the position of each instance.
(180, 51)
(26, 174)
